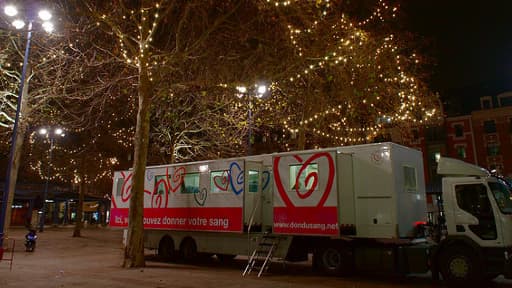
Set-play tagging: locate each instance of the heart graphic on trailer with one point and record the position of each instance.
(177, 179)
(126, 189)
(265, 180)
(201, 196)
(160, 195)
(222, 181)
(236, 178)
(311, 178)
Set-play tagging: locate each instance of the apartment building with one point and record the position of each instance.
(485, 136)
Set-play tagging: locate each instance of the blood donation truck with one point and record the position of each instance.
(356, 208)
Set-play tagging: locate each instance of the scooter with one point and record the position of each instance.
(30, 240)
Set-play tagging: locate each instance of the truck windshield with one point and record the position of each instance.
(502, 194)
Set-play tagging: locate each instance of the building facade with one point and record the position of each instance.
(483, 137)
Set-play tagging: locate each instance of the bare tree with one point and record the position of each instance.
(67, 90)
(181, 44)
(354, 76)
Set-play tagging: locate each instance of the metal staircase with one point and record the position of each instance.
(261, 257)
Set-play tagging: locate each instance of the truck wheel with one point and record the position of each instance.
(459, 265)
(166, 248)
(188, 250)
(334, 261)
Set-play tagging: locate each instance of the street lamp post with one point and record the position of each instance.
(50, 134)
(44, 15)
(258, 92)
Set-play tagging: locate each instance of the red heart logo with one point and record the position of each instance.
(313, 176)
(160, 191)
(177, 179)
(126, 189)
(222, 181)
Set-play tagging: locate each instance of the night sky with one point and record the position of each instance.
(471, 42)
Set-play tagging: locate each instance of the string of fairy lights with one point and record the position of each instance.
(351, 37)
(122, 136)
(102, 163)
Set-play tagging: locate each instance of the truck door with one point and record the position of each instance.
(474, 199)
(253, 195)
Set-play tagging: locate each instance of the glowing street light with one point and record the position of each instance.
(51, 134)
(259, 91)
(10, 10)
(19, 23)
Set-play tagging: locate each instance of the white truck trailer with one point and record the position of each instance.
(354, 208)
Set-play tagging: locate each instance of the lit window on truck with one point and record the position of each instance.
(410, 184)
(303, 178)
(219, 181)
(119, 186)
(190, 183)
(160, 182)
(254, 176)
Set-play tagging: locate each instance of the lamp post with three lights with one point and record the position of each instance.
(10, 181)
(50, 134)
(259, 91)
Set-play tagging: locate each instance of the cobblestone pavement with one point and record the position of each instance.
(94, 261)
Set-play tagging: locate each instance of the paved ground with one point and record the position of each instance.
(94, 261)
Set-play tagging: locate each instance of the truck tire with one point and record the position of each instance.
(459, 265)
(188, 250)
(166, 248)
(334, 261)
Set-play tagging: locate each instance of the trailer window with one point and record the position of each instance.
(119, 186)
(410, 184)
(190, 183)
(219, 181)
(160, 185)
(254, 176)
(502, 194)
(305, 180)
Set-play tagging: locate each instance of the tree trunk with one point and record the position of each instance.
(80, 209)
(134, 250)
(301, 139)
(18, 147)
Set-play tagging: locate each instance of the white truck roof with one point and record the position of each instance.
(456, 167)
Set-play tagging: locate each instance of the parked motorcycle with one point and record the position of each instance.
(30, 240)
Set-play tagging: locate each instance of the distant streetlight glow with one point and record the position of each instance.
(18, 24)
(10, 10)
(258, 91)
(241, 89)
(48, 27)
(45, 15)
(262, 89)
(50, 134)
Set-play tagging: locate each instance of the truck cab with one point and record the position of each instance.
(476, 241)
